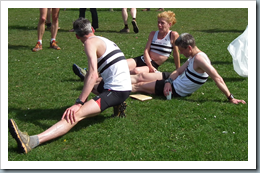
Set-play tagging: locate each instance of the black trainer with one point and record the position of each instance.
(119, 110)
(136, 30)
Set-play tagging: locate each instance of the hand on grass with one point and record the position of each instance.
(69, 114)
(236, 101)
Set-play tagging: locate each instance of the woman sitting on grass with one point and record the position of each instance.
(158, 48)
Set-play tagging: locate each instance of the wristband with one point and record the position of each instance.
(169, 80)
(230, 97)
(79, 101)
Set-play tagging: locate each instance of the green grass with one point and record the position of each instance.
(42, 85)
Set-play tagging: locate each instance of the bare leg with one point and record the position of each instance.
(146, 77)
(41, 24)
(89, 109)
(55, 22)
(137, 70)
(124, 15)
(131, 64)
(146, 87)
(133, 13)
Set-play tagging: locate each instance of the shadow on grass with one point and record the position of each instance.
(19, 47)
(28, 28)
(229, 79)
(188, 99)
(217, 30)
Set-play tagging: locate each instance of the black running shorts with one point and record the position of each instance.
(109, 98)
(139, 62)
(159, 87)
(166, 75)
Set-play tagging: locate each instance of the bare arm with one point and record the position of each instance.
(176, 55)
(146, 52)
(173, 76)
(212, 72)
(89, 81)
(179, 71)
(92, 75)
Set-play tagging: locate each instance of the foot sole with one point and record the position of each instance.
(14, 132)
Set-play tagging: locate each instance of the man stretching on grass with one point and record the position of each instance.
(186, 79)
(104, 57)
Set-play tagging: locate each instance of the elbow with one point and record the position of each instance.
(219, 79)
(93, 76)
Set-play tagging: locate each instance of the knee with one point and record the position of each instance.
(78, 116)
(42, 19)
(54, 19)
(137, 71)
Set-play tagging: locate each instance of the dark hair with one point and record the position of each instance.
(185, 40)
(82, 26)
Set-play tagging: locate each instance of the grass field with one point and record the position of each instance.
(42, 85)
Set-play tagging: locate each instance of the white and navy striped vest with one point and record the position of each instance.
(190, 80)
(113, 68)
(163, 46)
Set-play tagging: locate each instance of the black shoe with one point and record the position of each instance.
(136, 30)
(119, 110)
(80, 72)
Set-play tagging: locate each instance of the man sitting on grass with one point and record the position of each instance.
(186, 79)
(105, 58)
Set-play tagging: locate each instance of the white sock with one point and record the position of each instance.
(52, 39)
(40, 41)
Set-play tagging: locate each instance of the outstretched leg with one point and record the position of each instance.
(146, 87)
(26, 142)
(89, 109)
(146, 77)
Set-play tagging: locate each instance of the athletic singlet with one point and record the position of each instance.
(163, 46)
(190, 80)
(113, 68)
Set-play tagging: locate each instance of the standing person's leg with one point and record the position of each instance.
(133, 14)
(125, 17)
(82, 12)
(48, 21)
(54, 28)
(40, 29)
(41, 24)
(94, 16)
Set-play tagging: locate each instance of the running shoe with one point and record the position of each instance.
(22, 138)
(54, 45)
(37, 47)
(136, 30)
(119, 110)
(125, 30)
(80, 72)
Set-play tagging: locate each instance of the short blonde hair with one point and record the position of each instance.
(169, 16)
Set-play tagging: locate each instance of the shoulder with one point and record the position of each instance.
(174, 35)
(202, 57)
(202, 61)
(152, 33)
(94, 43)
